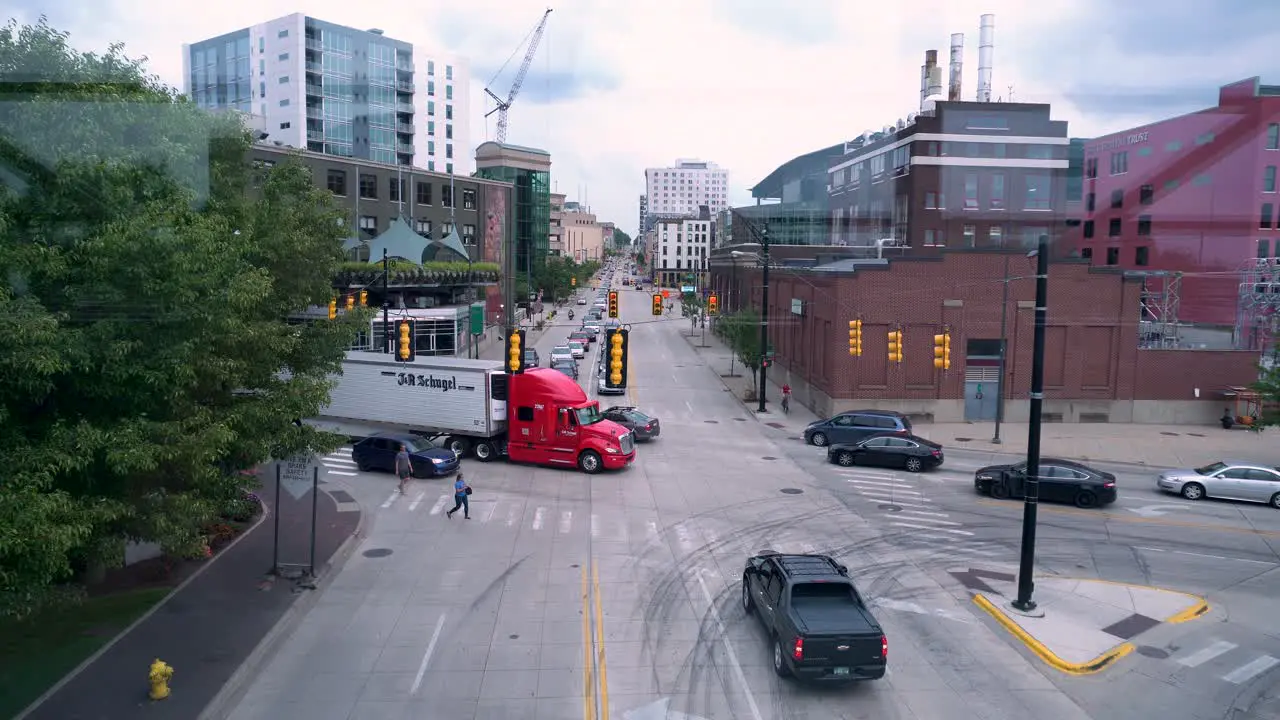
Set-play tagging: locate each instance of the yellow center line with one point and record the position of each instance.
(588, 678)
(1109, 517)
(602, 672)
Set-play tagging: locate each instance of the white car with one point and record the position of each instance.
(582, 301)
(592, 327)
(576, 349)
(562, 352)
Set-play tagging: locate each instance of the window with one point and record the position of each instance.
(1264, 222)
(1273, 136)
(1141, 256)
(1146, 194)
(448, 151)
(932, 238)
(368, 186)
(1086, 253)
(431, 127)
(1269, 179)
(997, 191)
(422, 193)
(422, 227)
(336, 181)
(1091, 168)
(1120, 162)
(1113, 256)
(448, 92)
(448, 72)
(1144, 224)
(1091, 202)
(1040, 152)
(395, 189)
(431, 67)
(285, 125)
(468, 199)
(1113, 228)
(1117, 199)
(468, 234)
(996, 236)
(282, 34)
(934, 201)
(448, 112)
(970, 192)
(1039, 195)
(448, 132)
(369, 224)
(448, 167)
(970, 236)
(284, 102)
(1262, 248)
(1088, 229)
(446, 196)
(431, 107)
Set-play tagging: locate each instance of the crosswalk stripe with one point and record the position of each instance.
(929, 527)
(391, 499)
(926, 512)
(513, 516)
(682, 536)
(595, 525)
(896, 487)
(538, 517)
(923, 502)
(1249, 671)
(651, 529)
(439, 506)
(1206, 654)
(417, 500)
(859, 472)
(341, 472)
(566, 521)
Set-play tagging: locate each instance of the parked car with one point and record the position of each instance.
(1061, 481)
(531, 358)
(378, 452)
(818, 625)
(560, 352)
(577, 348)
(568, 366)
(1234, 480)
(911, 452)
(856, 425)
(645, 427)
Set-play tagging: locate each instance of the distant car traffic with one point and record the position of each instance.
(531, 358)
(568, 366)
(645, 427)
(378, 452)
(911, 452)
(561, 352)
(1061, 481)
(577, 348)
(856, 425)
(582, 300)
(582, 336)
(1252, 482)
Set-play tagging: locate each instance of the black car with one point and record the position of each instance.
(378, 452)
(900, 451)
(644, 427)
(856, 425)
(530, 357)
(818, 625)
(568, 367)
(1062, 481)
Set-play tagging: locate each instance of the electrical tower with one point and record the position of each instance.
(1159, 301)
(1258, 306)
(504, 105)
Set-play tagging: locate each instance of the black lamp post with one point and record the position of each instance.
(1004, 351)
(1032, 485)
(764, 315)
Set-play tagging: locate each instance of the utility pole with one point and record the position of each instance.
(1031, 487)
(1004, 351)
(764, 315)
(386, 302)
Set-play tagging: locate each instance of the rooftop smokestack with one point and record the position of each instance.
(957, 66)
(926, 74)
(986, 53)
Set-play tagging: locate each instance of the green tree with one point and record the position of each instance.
(741, 332)
(147, 272)
(1268, 388)
(621, 240)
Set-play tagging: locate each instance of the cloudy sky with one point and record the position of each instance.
(619, 85)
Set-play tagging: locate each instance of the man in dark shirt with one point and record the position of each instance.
(404, 468)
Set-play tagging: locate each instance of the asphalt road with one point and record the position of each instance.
(617, 595)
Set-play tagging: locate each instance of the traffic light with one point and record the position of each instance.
(333, 308)
(895, 346)
(617, 377)
(351, 302)
(657, 303)
(364, 298)
(515, 351)
(573, 282)
(713, 304)
(407, 341)
(942, 351)
(613, 303)
(855, 338)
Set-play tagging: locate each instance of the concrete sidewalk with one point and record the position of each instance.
(1154, 445)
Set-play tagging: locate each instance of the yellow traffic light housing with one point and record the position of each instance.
(895, 346)
(333, 308)
(573, 282)
(713, 304)
(657, 303)
(364, 298)
(407, 342)
(855, 338)
(942, 351)
(617, 377)
(515, 352)
(613, 303)
(351, 302)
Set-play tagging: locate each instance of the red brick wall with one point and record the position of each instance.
(1175, 374)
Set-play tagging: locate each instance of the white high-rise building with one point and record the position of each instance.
(682, 245)
(680, 190)
(339, 91)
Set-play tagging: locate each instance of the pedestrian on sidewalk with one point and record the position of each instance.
(460, 500)
(404, 467)
(786, 398)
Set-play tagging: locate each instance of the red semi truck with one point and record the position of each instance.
(540, 416)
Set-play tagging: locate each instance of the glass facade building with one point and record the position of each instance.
(532, 212)
(221, 73)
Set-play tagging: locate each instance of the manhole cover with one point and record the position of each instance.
(739, 419)
(890, 508)
(790, 491)
(1196, 435)
(575, 565)
(513, 637)
(964, 439)
(778, 426)
(677, 366)
(377, 552)
(711, 422)
(1152, 652)
(1170, 434)
(768, 457)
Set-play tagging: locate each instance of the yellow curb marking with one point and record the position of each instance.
(1086, 668)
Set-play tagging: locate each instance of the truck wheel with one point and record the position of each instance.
(459, 445)
(589, 462)
(779, 661)
(484, 451)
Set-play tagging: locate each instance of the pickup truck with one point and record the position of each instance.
(819, 627)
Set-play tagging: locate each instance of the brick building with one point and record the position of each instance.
(1095, 370)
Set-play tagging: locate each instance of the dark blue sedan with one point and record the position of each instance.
(379, 453)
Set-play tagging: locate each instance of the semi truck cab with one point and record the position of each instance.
(552, 422)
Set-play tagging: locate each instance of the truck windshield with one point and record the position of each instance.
(812, 594)
(589, 415)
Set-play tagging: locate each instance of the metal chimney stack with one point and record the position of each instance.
(927, 72)
(986, 53)
(957, 66)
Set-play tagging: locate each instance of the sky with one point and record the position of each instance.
(618, 86)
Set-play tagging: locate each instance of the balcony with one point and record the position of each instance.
(405, 128)
(314, 67)
(315, 112)
(404, 86)
(405, 148)
(404, 65)
(314, 44)
(317, 135)
(315, 89)
(404, 107)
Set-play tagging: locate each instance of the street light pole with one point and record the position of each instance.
(764, 316)
(1031, 488)
(1004, 351)
(386, 302)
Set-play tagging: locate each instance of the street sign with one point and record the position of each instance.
(297, 475)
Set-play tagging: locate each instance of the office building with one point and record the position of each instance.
(583, 236)
(680, 190)
(797, 212)
(339, 91)
(529, 170)
(1194, 194)
(644, 215)
(681, 246)
(555, 237)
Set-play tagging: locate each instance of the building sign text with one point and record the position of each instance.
(1122, 141)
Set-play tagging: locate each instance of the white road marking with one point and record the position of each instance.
(595, 525)
(342, 451)
(930, 521)
(859, 472)
(1247, 672)
(512, 516)
(341, 472)
(924, 512)
(929, 527)
(1202, 555)
(895, 487)
(417, 500)
(728, 651)
(493, 508)
(537, 518)
(906, 606)
(1206, 654)
(686, 542)
(566, 521)
(426, 656)
(651, 529)
(439, 506)
(391, 499)
(897, 501)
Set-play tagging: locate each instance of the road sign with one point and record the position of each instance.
(297, 475)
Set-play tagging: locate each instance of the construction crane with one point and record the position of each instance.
(505, 105)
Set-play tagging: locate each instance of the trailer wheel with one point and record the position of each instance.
(484, 451)
(459, 445)
(589, 462)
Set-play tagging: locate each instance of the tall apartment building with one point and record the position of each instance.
(681, 246)
(644, 225)
(338, 90)
(680, 190)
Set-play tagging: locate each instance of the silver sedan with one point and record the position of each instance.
(1254, 482)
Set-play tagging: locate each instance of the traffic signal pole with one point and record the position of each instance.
(386, 302)
(764, 317)
(1031, 489)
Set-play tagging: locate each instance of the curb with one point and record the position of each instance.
(1198, 608)
(262, 517)
(234, 688)
(965, 447)
(1089, 667)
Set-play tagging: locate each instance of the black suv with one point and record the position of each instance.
(850, 427)
(645, 427)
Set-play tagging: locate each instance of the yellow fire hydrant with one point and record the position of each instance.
(159, 679)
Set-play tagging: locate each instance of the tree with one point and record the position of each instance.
(1268, 388)
(741, 332)
(621, 240)
(147, 273)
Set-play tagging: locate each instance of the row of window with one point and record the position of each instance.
(694, 264)
(1115, 227)
(336, 182)
(900, 157)
(370, 225)
(1141, 255)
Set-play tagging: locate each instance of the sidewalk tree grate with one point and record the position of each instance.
(1170, 434)
(791, 491)
(377, 552)
(1152, 652)
(768, 457)
(776, 426)
(964, 439)
(711, 422)
(739, 419)
(1196, 435)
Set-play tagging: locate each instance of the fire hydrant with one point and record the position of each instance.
(159, 679)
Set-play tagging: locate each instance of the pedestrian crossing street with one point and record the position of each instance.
(1227, 660)
(905, 502)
